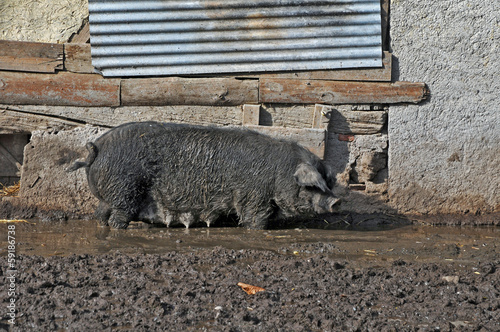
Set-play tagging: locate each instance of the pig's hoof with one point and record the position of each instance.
(118, 225)
(118, 219)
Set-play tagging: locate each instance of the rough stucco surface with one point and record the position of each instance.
(52, 21)
(45, 184)
(444, 155)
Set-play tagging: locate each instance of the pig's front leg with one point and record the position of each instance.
(119, 218)
(255, 219)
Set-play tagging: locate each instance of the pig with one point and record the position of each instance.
(172, 173)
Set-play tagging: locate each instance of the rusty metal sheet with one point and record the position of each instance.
(149, 38)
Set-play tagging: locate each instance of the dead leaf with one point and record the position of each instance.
(11, 220)
(249, 289)
(451, 279)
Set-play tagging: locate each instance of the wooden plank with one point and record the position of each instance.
(83, 36)
(382, 74)
(112, 116)
(12, 122)
(384, 7)
(31, 57)
(77, 58)
(65, 88)
(320, 116)
(338, 92)
(349, 122)
(311, 139)
(189, 91)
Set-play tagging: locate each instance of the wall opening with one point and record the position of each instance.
(11, 157)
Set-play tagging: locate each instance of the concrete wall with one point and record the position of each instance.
(444, 154)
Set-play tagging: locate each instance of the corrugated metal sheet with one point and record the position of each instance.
(151, 38)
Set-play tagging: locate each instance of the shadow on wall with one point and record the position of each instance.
(356, 149)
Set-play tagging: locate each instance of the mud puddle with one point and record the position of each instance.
(77, 276)
(463, 245)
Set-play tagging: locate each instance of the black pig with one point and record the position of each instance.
(172, 173)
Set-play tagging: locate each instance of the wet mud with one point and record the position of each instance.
(78, 276)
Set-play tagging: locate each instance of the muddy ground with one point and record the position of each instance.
(76, 276)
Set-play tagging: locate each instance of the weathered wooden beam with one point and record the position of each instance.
(290, 91)
(31, 57)
(26, 118)
(382, 74)
(13, 122)
(61, 89)
(189, 91)
(77, 58)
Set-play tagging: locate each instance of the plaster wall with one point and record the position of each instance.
(51, 21)
(444, 154)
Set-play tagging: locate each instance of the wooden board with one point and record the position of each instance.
(189, 91)
(385, 5)
(13, 122)
(61, 89)
(382, 74)
(83, 36)
(26, 118)
(77, 58)
(336, 92)
(31, 57)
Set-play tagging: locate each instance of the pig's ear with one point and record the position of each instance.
(307, 175)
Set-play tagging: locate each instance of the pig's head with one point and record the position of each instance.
(315, 189)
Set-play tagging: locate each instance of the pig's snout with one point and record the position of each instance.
(325, 204)
(332, 204)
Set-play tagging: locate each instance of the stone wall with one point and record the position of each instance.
(357, 151)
